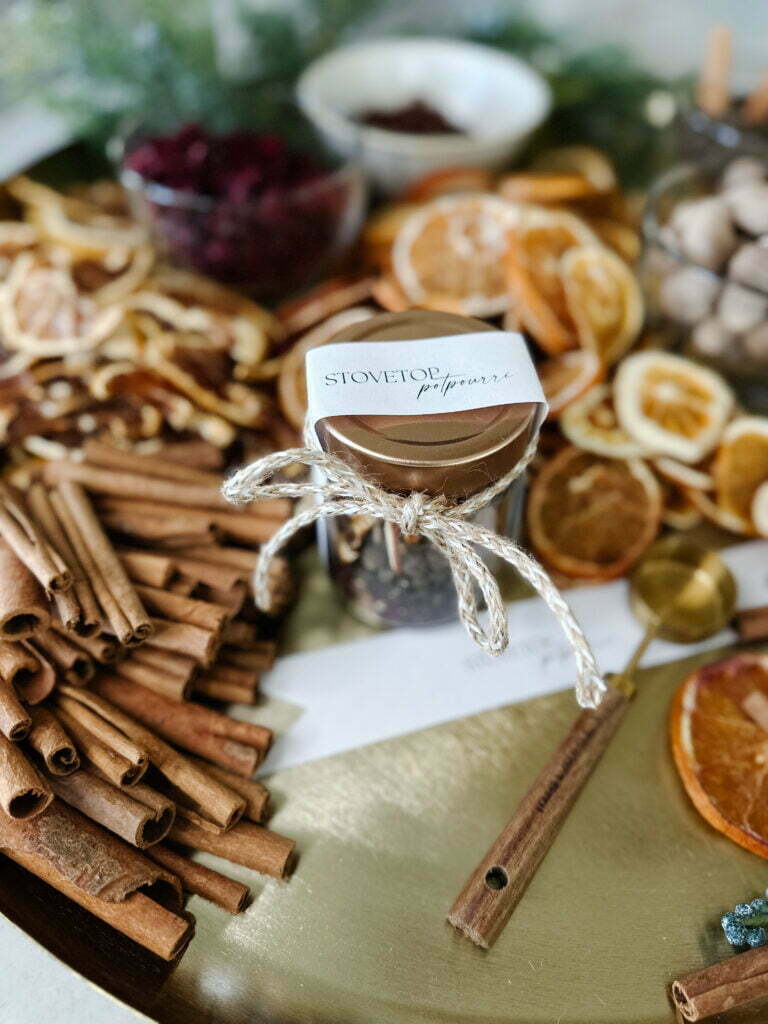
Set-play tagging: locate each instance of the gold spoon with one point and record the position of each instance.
(681, 592)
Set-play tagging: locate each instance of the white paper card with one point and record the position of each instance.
(352, 694)
(426, 376)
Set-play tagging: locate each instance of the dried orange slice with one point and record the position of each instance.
(592, 517)
(586, 161)
(447, 181)
(454, 247)
(720, 752)
(292, 382)
(381, 230)
(696, 477)
(604, 300)
(324, 300)
(389, 295)
(620, 237)
(671, 405)
(759, 510)
(533, 312)
(741, 464)
(565, 378)
(679, 511)
(714, 513)
(545, 187)
(590, 423)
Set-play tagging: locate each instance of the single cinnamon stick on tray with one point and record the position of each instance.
(174, 687)
(202, 881)
(114, 591)
(102, 874)
(114, 808)
(23, 534)
(183, 638)
(206, 795)
(24, 609)
(147, 567)
(72, 663)
(256, 795)
(23, 791)
(48, 738)
(85, 618)
(15, 721)
(752, 623)
(234, 744)
(726, 985)
(178, 608)
(253, 846)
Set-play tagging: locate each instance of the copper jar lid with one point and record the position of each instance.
(456, 453)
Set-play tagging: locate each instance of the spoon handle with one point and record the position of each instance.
(492, 892)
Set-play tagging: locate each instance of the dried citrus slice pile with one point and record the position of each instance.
(671, 405)
(603, 299)
(590, 423)
(721, 753)
(565, 378)
(453, 248)
(741, 464)
(591, 517)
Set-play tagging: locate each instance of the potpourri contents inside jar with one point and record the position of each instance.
(389, 579)
(415, 118)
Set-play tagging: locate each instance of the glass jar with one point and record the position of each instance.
(711, 313)
(389, 579)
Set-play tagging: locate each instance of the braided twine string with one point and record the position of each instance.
(344, 492)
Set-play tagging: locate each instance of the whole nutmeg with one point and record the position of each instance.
(749, 207)
(741, 309)
(704, 231)
(744, 170)
(688, 293)
(755, 343)
(749, 265)
(710, 338)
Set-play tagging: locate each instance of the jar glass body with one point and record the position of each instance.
(389, 580)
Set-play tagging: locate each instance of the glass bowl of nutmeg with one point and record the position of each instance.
(705, 268)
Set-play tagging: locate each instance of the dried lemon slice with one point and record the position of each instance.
(545, 187)
(683, 476)
(741, 464)
(567, 377)
(587, 161)
(454, 247)
(604, 300)
(671, 405)
(590, 423)
(759, 509)
(592, 517)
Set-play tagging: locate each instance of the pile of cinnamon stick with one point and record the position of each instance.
(123, 593)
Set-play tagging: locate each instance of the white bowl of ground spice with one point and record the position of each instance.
(408, 107)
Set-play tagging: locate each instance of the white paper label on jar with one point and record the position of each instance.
(426, 376)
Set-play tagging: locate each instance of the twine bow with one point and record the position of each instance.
(344, 492)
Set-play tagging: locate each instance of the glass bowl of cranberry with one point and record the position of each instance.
(247, 208)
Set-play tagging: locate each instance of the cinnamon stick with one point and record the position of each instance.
(234, 744)
(202, 881)
(113, 589)
(48, 738)
(243, 559)
(182, 638)
(183, 585)
(72, 662)
(239, 634)
(178, 608)
(85, 618)
(15, 721)
(253, 846)
(206, 794)
(232, 599)
(23, 534)
(96, 752)
(726, 985)
(98, 453)
(250, 527)
(260, 656)
(23, 607)
(101, 874)
(166, 661)
(713, 92)
(159, 529)
(23, 791)
(37, 679)
(199, 454)
(221, 576)
(174, 687)
(114, 808)
(101, 647)
(755, 107)
(114, 738)
(256, 795)
(216, 688)
(16, 663)
(146, 567)
(752, 623)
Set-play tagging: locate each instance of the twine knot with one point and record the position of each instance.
(343, 491)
